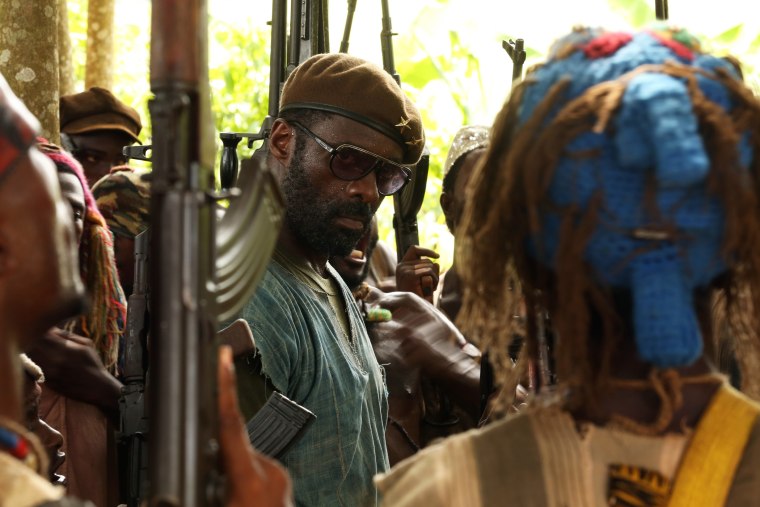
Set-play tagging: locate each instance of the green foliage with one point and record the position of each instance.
(77, 10)
(729, 36)
(637, 13)
(439, 56)
(442, 74)
(238, 75)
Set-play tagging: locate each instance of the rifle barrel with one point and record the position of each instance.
(661, 9)
(277, 54)
(386, 43)
(184, 463)
(349, 24)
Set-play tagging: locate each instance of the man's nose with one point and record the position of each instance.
(51, 438)
(365, 187)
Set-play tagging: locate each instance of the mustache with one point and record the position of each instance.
(354, 209)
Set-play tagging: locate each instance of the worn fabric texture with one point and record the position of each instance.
(308, 358)
(123, 198)
(20, 486)
(89, 468)
(543, 458)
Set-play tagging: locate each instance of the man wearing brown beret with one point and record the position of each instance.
(347, 136)
(95, 127)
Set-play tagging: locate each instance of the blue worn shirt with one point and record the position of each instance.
(307, 356)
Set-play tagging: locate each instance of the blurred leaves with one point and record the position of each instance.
(442, 55)
(637, 13)
(239, 75)
(729, 36)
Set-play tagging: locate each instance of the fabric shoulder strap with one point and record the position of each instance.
(710, 461)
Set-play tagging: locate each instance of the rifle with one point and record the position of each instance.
(133, 430)
(307, 37)
(516, 51)
(347, 27)
(184, 468)
(406, 203)
(202, 272)
(661, 9)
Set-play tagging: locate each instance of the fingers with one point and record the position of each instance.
(67, 335)
(415, 252)
(418, 276)
(426, 269)
(233, 439)
(427, 284)
(250, 475)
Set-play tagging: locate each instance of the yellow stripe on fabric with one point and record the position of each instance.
(707, 471)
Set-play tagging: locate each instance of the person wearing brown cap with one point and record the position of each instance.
(347, 136)
(95, 127)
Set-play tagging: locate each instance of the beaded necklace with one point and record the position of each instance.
(22, 445)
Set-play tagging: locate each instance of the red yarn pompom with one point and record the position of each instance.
(606, 44)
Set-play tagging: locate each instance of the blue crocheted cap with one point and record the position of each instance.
(650, 156)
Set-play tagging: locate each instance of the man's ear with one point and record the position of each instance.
(280, 139)
(446, 203)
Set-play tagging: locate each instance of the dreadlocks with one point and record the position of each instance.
(105, 320)
(510, 198)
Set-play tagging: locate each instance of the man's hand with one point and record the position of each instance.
(429, 341)
(73, 368)
(417, 274)
(253, 479)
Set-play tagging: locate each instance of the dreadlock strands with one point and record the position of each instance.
(514, 180)
(105, 321)
(668, 385)
(742, 234)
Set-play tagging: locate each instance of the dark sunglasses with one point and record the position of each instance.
(351, 163)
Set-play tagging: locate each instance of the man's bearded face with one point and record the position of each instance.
(310, 212)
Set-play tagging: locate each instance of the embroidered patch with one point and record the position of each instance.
(631, 486)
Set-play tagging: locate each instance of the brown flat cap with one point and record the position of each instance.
(360, 90)
(98, 109)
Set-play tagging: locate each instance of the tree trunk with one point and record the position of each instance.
(65, 65)
(29, 57)
(99, 68)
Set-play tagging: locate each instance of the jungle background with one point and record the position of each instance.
(448, 53)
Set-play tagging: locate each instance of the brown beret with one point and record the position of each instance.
(357, 89)
(98, 109)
